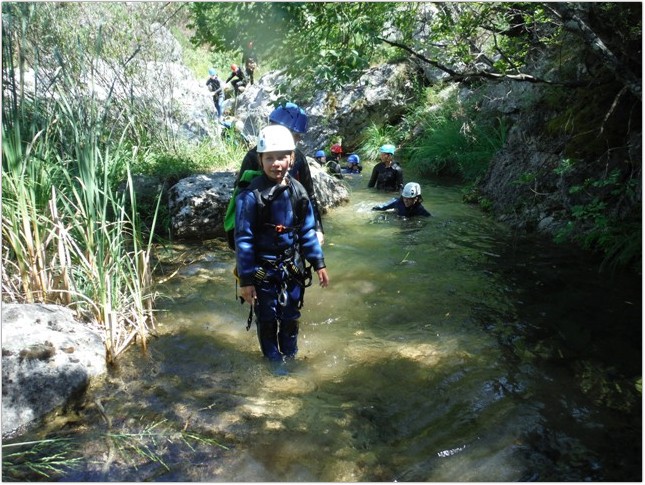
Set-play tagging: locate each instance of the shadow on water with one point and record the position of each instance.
(445, 349)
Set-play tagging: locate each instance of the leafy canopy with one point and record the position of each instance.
(328, 44)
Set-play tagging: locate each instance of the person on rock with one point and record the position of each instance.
(294, 118)
(408, 205)
(250, 60)
(275, 232)
(236, 79)
(387, 174)
(214, 84)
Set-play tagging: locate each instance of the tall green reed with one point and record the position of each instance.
(70, 235)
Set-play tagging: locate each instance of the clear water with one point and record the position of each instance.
(445, 349)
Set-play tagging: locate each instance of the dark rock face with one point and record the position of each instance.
(48, 359)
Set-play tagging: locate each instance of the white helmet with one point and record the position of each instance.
(275, 138)
(411, 189)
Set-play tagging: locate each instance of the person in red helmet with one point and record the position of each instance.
(336, 151)
(236, 79)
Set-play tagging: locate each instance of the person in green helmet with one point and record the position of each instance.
(387, 174)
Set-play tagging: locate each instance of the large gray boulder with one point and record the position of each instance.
(197, 204)
(48, 359)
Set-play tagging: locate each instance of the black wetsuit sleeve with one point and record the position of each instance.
(399, 178)
(373, 178)
(304, 177)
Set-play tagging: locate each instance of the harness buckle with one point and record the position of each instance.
(280, 228)
(283, 295)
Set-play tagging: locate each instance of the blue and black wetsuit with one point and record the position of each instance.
(416, 209)
(274, 228)
(300, 171)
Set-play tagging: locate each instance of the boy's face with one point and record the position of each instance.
(409, 201)
(276, 164)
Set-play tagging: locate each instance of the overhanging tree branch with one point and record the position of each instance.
(461, 76)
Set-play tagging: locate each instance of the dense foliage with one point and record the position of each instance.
(325, 44)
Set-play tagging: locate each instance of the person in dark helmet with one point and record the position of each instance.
(250, 60)
(387, 174)
(353, 165)
(274, 233)
(409, 204)
(321, 157)
(294, 118)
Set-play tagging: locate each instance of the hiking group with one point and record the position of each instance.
(237, 79)
(274, 225)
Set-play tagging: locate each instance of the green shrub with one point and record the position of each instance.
(373, 138)
(453, 142)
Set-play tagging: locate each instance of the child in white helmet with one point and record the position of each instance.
(409, 204)
(293, 117)
(275, 229)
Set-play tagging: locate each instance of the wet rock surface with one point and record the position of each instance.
(48, 359)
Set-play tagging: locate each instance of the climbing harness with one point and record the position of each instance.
(288, 266)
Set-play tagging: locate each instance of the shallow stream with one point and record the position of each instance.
(445, 349)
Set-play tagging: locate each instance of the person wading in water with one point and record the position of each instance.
(275, 236)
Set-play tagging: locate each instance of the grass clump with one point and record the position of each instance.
(70, 236)
(451, 141)
(38, 460)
